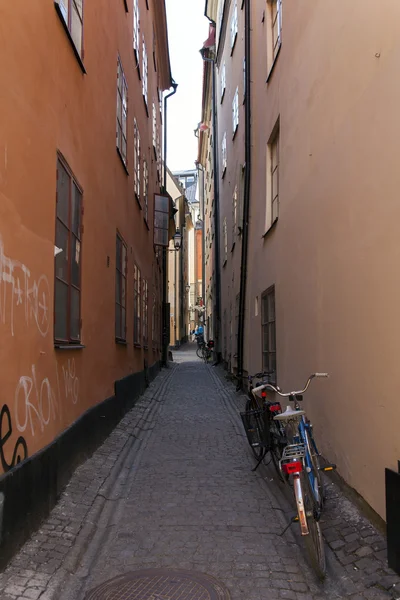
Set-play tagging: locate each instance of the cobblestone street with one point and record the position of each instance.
(173, 487)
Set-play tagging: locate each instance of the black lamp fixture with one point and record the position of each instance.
(177, 239)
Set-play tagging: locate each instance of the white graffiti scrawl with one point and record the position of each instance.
(22, 296)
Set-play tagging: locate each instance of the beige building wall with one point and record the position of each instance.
(333, 253)
(231, 151)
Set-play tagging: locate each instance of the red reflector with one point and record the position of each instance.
(263, 394)
(292, 467)
(275, 408)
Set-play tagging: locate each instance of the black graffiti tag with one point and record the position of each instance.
(20, 448)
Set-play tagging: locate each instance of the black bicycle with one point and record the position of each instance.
(264, 434)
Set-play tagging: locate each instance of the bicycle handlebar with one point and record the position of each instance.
(286, 395)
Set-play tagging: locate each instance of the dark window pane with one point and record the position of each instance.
(118, 254)
(76, 211)
(62, 257)
(63, 181)
(123, 291)
(75, 262)
(117, 321)
(61, 308)
(118, 288)
(123, 323)
(75, 314)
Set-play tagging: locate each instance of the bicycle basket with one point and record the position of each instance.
(253, 425)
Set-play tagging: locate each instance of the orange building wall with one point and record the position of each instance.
(48, 105)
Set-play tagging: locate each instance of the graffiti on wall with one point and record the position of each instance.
(22, 296)
(20, 451)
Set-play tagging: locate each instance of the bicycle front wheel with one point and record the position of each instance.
(199, 351)
(313, 541)
(319, 491)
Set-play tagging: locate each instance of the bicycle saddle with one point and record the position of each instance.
(289, 414)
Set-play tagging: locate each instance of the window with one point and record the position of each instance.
(121, 262)
(223, 148)
(223, 81)
(268, 332)
(137, 171)
(145, 72)
(276, 29)
(122, 111)
(225, 234)
(234, 26)
(234, 214)
(273, 178)
(67, 291)
(145, 313)
(136, 31)
(137, 306)
(244, 79)
(146, 191)
(72, 15)
(235, 111)
(159, 162)
(154, 129)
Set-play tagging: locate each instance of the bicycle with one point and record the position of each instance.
(204, 350)
(300, 465)
(263, 433)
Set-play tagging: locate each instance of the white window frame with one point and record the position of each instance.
(145, 190)
(136, 166)
(223, 80)
(154, 128)
(234, 26)
(136, 30)
(223, 151)
(234, 213)
(235, 111)
(122, 112)
(75, 26)
(276, 27)
(145, 71)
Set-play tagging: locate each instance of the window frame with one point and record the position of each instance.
(268, 322)
(69, 340)
(223, 81)
(136, 34)
(234, 214)
(234, 26)
(235, 112)
(137, 315)
(145, 316)
(146, 192)
(224, 155)
(273, 172)
(121, 274)
(122, 114)
(66, 20)
(225, 236)
(274, 40)
(145, 73)
(137, 173)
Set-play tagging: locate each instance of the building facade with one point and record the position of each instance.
(322, 242)
(80, 277)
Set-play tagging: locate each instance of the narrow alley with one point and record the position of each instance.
(172, 488)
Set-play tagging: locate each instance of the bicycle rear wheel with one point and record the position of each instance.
(199, 351)
(276, 447)
(255, 425)
(313, 541)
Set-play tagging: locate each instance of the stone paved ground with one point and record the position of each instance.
(173, 487)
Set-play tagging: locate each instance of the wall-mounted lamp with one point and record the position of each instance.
(178, 239)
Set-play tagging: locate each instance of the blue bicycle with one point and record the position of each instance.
(299, 464)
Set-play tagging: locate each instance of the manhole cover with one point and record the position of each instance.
(160, 584)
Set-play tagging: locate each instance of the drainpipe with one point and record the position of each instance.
(217, 265)
(246, 200)
(164, 354)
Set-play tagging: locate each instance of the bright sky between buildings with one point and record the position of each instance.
(187, 31)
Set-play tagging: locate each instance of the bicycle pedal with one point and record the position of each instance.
(326, 468)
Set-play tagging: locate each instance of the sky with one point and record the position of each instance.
(187, 31)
